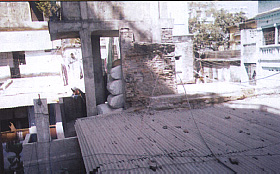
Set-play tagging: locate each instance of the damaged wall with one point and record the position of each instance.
(148, 69)
(147, 44)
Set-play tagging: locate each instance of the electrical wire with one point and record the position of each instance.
(261, 78)
(201, 134)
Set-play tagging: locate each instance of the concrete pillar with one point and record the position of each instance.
(183, 59)
(126, 41)
(276, 34)
(98, 72)
(42, 120)
(43, 133)
(86, 47)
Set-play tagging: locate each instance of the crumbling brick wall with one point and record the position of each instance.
(148, 70)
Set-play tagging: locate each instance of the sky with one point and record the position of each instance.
(252, 6)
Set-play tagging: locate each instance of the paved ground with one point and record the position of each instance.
(22, 91)
(269, 103)
(223, 138)
(218, 88)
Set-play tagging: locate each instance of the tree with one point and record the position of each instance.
(212, 35)
(50, 9)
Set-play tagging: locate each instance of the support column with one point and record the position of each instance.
(43, 134)
(42, 120)
(276, 34)
(126, 41)
(183, 59)
(86, 47)
(98, 71)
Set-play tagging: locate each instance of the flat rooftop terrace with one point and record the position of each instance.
(217, 139)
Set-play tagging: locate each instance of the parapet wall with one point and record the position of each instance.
(57, 156)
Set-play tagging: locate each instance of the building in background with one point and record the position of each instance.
(249, 56)
(31, 65)
(268, 43)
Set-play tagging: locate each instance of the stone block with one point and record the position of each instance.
(103, 109)
(116, 72)
(116, 101)
(115, 87)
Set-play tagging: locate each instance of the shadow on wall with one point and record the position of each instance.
(142, 36)
(141, 31)
(148, 69)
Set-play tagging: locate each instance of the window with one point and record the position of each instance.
(269, 36)
(18, 59)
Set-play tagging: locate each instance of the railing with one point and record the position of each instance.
(269, 52)
(270, 49)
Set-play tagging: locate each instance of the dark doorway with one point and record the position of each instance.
(251, 72)
(18, 59)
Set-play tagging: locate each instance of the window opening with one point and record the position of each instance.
(269, 36)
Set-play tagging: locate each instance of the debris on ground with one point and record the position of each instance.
(234, 161)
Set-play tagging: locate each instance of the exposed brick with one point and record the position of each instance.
(148, 71)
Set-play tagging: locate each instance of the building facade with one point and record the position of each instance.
(249, 54)
(153, 37)
(30, 64)
(268, 43)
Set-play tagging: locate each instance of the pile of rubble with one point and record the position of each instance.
(115, 101)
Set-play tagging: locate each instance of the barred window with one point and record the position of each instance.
(269, 36)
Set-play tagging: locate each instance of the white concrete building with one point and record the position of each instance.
(268, 43)
(26, 48)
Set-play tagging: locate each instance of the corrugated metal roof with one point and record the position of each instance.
(244, 140)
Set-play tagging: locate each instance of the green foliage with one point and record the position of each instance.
(48, 8)
(212, 35)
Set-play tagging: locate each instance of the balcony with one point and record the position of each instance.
(269, 52)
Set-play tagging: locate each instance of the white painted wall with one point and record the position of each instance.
(40, 63)
(26, 41)
(178, 10)
(5, 72)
